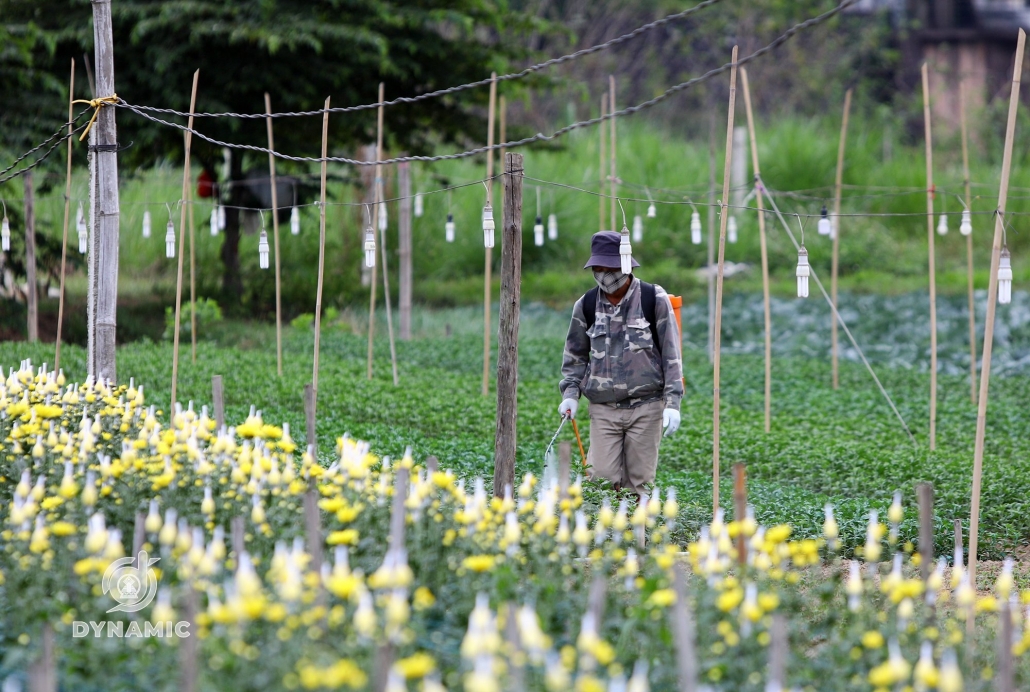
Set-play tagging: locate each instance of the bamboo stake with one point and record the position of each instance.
(765, 252)
(386, 293)
(717, 331)
(835, 261)
(275, 240)
(374, 220)
(193, 277)
(32, 293)
(969, 240)
(710, 249)
(502, 126)
(601, 130)
(67, 211)
(321, 262)
(182, 240)
(613, 190)
(489, 252)
(932, 258)
(992, 302)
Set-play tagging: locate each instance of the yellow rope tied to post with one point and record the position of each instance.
(96, 105)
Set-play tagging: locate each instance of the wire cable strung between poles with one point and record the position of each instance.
(454, 89)
(539, 137)
(840, 319)
(58, 136)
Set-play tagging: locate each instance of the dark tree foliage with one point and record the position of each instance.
(299, 51)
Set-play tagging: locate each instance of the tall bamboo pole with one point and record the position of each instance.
(193, 275)
(489, 252)
(502, 129)
(386, 292)
(275, 239)
(932, 259)
(182, 241)
(834, 263)
(67, 211)
(374, 220)
(992, 301)
(717, 331)
(32, 292)
(969, 239)
(321, 262)
(603, 132)
(765, 250)
(613, 190)
(710, 249)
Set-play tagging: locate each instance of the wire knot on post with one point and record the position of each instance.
(96, 105)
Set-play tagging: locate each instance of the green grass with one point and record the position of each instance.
(843, 447)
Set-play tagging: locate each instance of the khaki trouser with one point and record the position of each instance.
(624, 443)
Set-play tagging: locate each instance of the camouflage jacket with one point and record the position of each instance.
(615, 360)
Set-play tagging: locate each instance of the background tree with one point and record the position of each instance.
(300, 51)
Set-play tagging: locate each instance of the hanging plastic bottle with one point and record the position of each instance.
(263, 245)
(448, 228)
(942, 225)
(488, 225)
(146, 224)
(825, 227)
(214, 222)
(625, 249)
(538, 232)
(966, 226)
(731, 229)
(638, 229)
(695, 228)
(370, 243)
(295, 221)
(418, 205)
(382, 216)
(804, 271)
(221, 217)
(552, 227)
(170, 240)
(652, 211)
(80, 228)
(5, 232)
(1005, 277)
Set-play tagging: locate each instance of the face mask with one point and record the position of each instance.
(610, 282)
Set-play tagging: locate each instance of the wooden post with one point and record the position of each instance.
(710, 249)
(508, 329)
(218, 401)
(932, 258)
(30, 256)
(969, 238)
(717, 329)
(239, 545)
(67, 212)
(765, 251)
(517, 671)
(683, 632)
(613, 189)
(42, 673)
(102, 292)
(313, 527)
(193, 274)
(835, 221)
(321, 261)
(310, 429)
(374, 220)
(404, 247)
(958, 541)
(488, 267)
(1006, 670)
(182, 244)
(602, 131)
(189, 647)
(432, 464)
(779, 648)
(992, 303)
(924, 494)
(139, 535)
(275, 239)
(386, 289)
(740, 508)
(400, 496)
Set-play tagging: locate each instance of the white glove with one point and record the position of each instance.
(568, 406)
(670, 421)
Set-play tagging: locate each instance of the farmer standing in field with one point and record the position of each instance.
(623, 354)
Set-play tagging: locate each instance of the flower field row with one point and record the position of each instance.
(372, 573)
